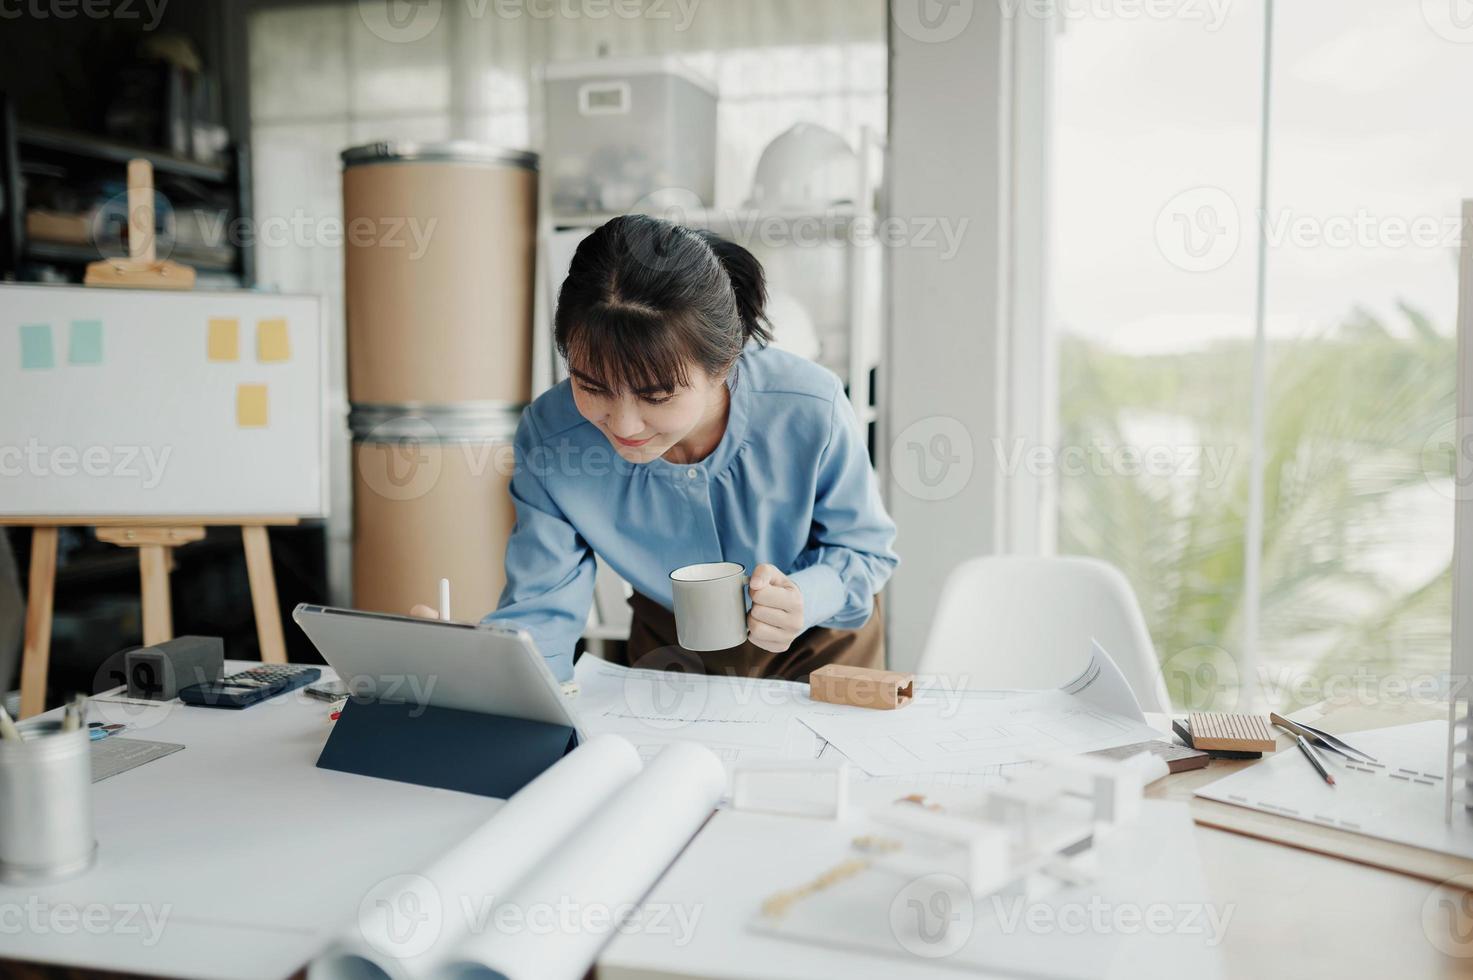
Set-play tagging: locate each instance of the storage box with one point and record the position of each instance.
(622, 132)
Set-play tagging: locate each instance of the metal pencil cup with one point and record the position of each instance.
(46, 804)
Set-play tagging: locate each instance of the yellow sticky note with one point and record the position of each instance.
(250, 406)
(224, 340)
(271, 341)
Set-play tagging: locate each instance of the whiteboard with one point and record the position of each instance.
(142, 403)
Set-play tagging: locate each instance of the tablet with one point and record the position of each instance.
(487, 669)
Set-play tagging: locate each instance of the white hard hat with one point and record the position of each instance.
(792, 327)
(807, 166)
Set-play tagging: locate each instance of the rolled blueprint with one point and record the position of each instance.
(552, 925)
(421, 920)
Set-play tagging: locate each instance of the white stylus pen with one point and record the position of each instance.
(445, 599)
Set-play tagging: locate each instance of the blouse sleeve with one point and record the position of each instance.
(549, 566)
(849, 556)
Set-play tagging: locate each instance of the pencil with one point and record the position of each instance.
(1309, 753)
(74, 716)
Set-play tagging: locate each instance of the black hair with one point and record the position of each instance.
(645, 298)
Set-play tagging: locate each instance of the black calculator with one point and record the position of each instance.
(249, 686)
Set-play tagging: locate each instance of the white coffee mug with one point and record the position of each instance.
(710, 605)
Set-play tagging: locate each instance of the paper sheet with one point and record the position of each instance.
(977, 735)
(1398, 798)
(740, 720)
(1102, 684)
(974, 732)
(84, 342)
(944, 730)
(662, 704)
(222, 342)
(118, 754)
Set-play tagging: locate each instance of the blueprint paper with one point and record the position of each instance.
(945, 731)
(1103, 685)
(976, 735)
(669, 705)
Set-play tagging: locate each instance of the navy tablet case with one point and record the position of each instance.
(490, 755)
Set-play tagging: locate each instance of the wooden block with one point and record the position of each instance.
(130, 274)
(57, 226)
(1235, 733)
(861, 686)
(138, 537)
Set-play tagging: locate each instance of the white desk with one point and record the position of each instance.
(1295, 913)
(254, 859)
(250, 856)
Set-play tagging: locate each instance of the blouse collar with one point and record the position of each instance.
(739, 389)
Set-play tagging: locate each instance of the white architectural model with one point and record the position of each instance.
(1038, 822)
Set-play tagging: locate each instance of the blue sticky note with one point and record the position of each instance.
(35, 346)
(84, 346)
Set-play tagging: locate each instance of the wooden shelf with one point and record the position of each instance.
(719, 219)
(99, 148)
(67, 253)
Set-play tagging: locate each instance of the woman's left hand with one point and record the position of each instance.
(776, 617)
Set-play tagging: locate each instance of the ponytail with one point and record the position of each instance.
(646, 299)
(748, 283)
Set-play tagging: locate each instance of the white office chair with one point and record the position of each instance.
(1015, 622)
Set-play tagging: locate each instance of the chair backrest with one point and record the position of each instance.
(1007, 621)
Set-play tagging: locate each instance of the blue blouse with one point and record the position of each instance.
(790, 483)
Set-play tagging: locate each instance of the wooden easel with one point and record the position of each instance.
(154, 537)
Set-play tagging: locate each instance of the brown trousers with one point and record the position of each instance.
(652, 645)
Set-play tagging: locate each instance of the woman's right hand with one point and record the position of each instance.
(424, 612)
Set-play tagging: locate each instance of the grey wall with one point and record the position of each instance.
(943, 364)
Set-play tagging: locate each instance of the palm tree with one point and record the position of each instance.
(1355, 561)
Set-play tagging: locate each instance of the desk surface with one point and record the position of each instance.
(237, 857)
(1301, 913)
(1295, 913)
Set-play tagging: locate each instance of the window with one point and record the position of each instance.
(1217, 331)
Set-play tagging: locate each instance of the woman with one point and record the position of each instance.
(681, 437)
